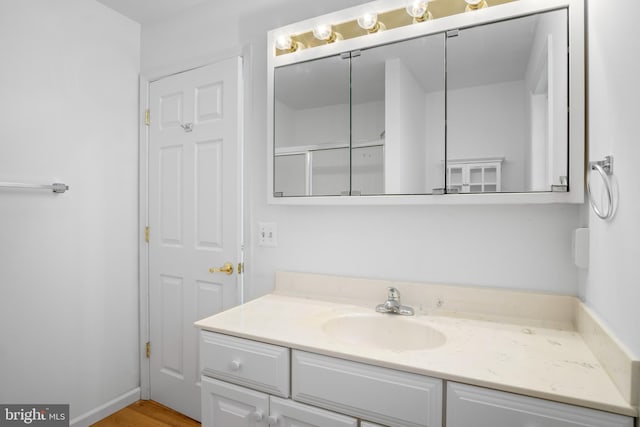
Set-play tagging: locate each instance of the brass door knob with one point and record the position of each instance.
(227, 268)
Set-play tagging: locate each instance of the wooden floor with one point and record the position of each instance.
(147, 413)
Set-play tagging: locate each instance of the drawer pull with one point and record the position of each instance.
(234, 365)
(257, 416)
(272, 420)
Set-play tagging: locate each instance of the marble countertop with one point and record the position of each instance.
(533, 360)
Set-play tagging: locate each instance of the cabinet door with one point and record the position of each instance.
(228, 405)
(480, 407)
(367, 424)
(456, 179)
(287, 413)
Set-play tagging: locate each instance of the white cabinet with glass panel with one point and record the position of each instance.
(474, 176)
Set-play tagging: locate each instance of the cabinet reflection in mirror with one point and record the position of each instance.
(507, 105)
(477, 110)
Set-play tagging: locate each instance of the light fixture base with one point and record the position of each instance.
(471, 7)
(426, 17)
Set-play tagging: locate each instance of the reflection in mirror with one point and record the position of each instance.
(330, 172)
(507, 106)
(312, 128)
(398, 109)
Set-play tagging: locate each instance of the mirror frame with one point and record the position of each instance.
(501, 12)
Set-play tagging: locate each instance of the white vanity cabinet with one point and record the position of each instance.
(480, 407)
(250, 383)
(246, 382)
(241, 380)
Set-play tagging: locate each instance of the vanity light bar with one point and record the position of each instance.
(372, 21)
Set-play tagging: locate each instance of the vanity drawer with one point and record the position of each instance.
(377, 394)
(252, 364)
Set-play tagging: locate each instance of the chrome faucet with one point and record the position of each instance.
(392, 304)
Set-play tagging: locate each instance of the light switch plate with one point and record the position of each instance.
(268, 234)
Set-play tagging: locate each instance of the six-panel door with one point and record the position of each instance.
(194, 220)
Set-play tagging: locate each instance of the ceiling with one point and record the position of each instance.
(144, 11)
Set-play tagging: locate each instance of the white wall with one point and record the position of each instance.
(549, 59)
(523, 247)
(612, 284)
(405, 148)
(68, 275)
(328, 124)
(321, 125)
(435, 130)
(496, 114)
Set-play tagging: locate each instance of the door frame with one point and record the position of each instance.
(145, 80)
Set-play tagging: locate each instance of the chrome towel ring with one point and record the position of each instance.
(605, 170)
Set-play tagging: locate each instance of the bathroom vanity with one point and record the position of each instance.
(316, 353)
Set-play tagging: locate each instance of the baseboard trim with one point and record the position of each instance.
(103, 411)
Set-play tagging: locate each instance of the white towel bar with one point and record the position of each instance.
(55, 187)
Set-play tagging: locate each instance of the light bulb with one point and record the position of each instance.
(419, 10)
(369, 22)
(285, 42)
(323, 32)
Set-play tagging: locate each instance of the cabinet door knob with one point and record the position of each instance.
(272, 420)
(257, 416)
(234, 365)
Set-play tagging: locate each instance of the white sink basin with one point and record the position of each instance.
(383, 331)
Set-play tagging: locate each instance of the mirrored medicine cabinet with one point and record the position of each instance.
(485, 107)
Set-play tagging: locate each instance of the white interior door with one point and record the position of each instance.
(194, 220)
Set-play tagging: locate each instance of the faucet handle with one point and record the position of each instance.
(394, 294)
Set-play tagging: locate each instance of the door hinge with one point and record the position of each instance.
(240, 267)
(147, 117)
(148, 349)
(146, 234)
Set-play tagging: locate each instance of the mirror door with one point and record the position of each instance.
(312, 128)
(507, 106)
